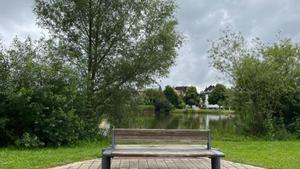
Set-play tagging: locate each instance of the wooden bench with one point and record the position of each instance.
(121, 148)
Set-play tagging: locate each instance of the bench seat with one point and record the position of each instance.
(163, 151)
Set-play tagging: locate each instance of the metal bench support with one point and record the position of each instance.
(106, 159)
(215, 163)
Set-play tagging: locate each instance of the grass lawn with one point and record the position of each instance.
(12, 158)
(268, 154)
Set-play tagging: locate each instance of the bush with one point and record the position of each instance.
(162, 106)
(44, 115)
(29, 141)
(39, 99)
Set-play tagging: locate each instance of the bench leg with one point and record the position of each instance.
(215, 163)
(105, 161)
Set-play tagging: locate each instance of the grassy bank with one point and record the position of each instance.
(203, 111)
(12, 158)
(268, 154)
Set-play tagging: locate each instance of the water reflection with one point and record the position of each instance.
(174, 121)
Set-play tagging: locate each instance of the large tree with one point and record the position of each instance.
(191, 96)
(218, 95)
(118, 46)
(265, 80)
(172, 96)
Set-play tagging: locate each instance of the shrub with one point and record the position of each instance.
(29, 141)
(162, 106)
(37, 98)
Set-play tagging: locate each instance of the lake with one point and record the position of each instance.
(217, 123)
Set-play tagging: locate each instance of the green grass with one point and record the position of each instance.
(268, 154)
(13, 158)
(203, 111)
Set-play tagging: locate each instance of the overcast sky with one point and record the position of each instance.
(199, 21)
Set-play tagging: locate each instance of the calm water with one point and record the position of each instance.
(219, 123)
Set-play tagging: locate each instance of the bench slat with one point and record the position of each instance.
(166, 153)
(161, 146)
(161, 135)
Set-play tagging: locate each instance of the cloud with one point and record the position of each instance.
(199, 21)
(17, 19)
(203, 20)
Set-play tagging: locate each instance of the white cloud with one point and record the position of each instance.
(199, 21)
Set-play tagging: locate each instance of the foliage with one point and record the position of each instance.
(100, 53)
(181, 104)
(218, 95)
(172, 96)
(37, 104)
(162, 106)
(191, 96)
(29, 140)
(266, 84)
(227, 51)
(145, 108)
(151, 95)
(117, 46)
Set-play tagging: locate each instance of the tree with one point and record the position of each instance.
(172, 96)
(218, 95)
(266, 83)
(118, 46)
(202, 99)
(191, 96)
(162, 106)
(227, 51)
(152, 95)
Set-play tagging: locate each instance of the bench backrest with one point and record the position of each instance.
(160, 135)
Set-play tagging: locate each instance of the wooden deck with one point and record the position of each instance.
(155, 163)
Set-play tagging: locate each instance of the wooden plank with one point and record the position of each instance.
(161, 164)
(206, 162)
(199, 165)
(152, 163)
(159, 139)
(143, 164)
(170, 163)
(160, 146)
(115, 163)
(134, 164)
(124, 164)
(163, 153)
(189, 164)
(96, 164)
(180, 164)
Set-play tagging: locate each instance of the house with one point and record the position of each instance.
(181, 90)
(209, 89)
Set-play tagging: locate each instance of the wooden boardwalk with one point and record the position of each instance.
(155, 163)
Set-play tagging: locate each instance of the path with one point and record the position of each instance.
(155, 163)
